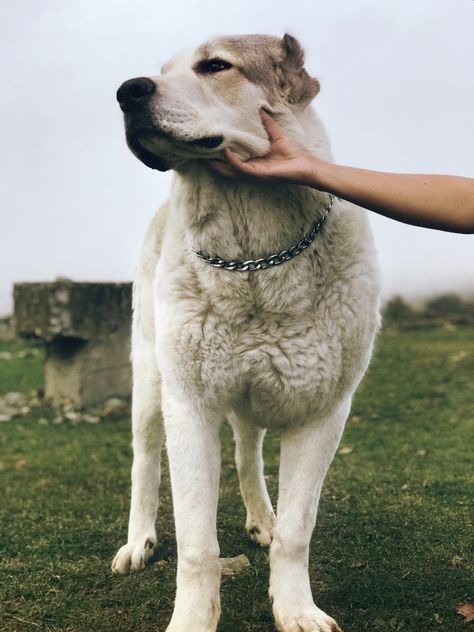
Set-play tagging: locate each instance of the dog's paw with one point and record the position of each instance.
(201, 617)
(261, 529)
(187, 627)
(134, 555)
(308, 620)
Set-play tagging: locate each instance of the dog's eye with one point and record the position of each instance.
(210, 66)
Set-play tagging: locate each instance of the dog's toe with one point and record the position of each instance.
(311, 620)
(261, 530)
(133, 556)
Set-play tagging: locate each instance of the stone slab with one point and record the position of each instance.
(68, 309)
(86, 328)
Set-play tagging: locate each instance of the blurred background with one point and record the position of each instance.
(397, 94)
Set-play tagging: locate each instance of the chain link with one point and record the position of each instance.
(272, 260)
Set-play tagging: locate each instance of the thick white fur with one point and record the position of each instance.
(281, 348)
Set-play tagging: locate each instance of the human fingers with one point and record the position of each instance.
(274, 131)
(234, 161)
(234, 167)
(222, 168)
(249, 168)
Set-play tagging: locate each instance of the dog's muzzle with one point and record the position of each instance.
(134, 96)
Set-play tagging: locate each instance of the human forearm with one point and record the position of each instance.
(434, 201)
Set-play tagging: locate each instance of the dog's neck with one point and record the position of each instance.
(245, 220)
(242, 220)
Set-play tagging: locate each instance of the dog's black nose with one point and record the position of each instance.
(134, 92)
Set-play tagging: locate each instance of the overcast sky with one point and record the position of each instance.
(397, 94)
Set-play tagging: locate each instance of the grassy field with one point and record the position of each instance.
(391, 550)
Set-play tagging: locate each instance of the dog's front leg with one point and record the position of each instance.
(148, 436)
(306, 453)
(192, 439)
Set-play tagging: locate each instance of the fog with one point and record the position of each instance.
(397, 94)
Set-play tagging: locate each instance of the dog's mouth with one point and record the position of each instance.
(159, 149)
(207, 142)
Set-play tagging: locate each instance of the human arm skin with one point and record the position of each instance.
(432, 201)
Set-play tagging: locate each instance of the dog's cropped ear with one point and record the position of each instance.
(296, 84)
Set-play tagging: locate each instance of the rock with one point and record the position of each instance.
(73, 416)
(234, 565)
(34, 401)
(15, 404)
(15, 399)
(90, 419)
(86, 331)
(28, 353)
(114, 407)
(5, 355)
(346, 450)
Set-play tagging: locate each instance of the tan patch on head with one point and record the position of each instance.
(275, 64)
(230, 88)
(227, 83)
(255, 56)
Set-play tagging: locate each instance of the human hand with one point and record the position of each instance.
(287, 159)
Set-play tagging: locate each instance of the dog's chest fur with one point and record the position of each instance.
(283, 344)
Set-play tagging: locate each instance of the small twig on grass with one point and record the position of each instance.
(12, 616)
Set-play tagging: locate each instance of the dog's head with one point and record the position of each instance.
(209, 98)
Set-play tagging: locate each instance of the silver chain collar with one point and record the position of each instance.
(251, 265)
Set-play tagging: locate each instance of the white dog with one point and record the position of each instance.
(240, 314)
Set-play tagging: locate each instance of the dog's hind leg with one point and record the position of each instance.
(306, 453)
(148, 436)
(248, 458)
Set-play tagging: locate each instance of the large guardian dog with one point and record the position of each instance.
(254, 302)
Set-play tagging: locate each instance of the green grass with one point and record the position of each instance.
(390, 552)
(19, 375)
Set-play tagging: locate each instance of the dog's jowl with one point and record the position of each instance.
(253, 302)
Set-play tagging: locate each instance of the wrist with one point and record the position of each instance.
(319, 174)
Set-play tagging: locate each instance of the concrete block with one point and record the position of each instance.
(86, 330)
(7, 330)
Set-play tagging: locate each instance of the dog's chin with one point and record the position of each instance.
(162, 151)
(152, 161)
(147, 156)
